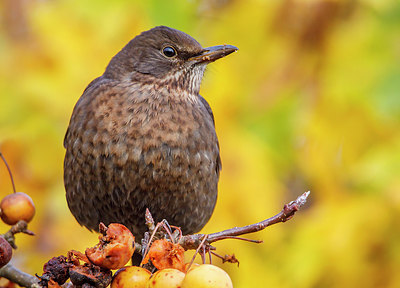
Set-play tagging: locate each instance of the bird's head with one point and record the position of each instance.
(165, 54)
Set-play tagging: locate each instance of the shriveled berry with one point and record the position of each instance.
(15, 207)
(130, 277)
(164, 254)
(90, 276)
(114, 249)
(56, 270)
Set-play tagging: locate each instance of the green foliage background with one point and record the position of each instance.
(310, 102)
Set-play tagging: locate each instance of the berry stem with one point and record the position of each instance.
(9, 171)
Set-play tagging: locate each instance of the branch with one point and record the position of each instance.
(193, 241)
(17, 276)
(9, 271)
(20, 227)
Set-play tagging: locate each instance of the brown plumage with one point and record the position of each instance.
(142, 137)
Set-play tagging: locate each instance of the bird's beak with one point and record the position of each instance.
(213, 53)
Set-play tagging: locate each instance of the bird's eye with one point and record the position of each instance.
(169, 51)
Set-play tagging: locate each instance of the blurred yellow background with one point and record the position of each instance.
(310, 102)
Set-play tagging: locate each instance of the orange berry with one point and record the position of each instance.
(15, 207)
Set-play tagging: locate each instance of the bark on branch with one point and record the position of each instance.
(193, 241)
(17, 276)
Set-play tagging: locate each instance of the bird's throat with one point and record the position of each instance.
(186, 80)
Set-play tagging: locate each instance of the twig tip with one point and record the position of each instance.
(302, 199)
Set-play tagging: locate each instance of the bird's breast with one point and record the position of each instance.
(152, 130)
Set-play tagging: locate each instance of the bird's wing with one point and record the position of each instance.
(208, 108)
(91, 84)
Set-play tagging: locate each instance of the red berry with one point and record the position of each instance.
(5, 252)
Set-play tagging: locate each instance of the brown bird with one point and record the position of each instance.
(141, 136)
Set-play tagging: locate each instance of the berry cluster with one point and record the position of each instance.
(114, 250)
(198, 276)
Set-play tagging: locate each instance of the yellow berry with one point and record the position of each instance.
(130, 277)
(187, 268)
(207, 276)
(166, 278)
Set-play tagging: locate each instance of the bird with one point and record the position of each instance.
(141, 136)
